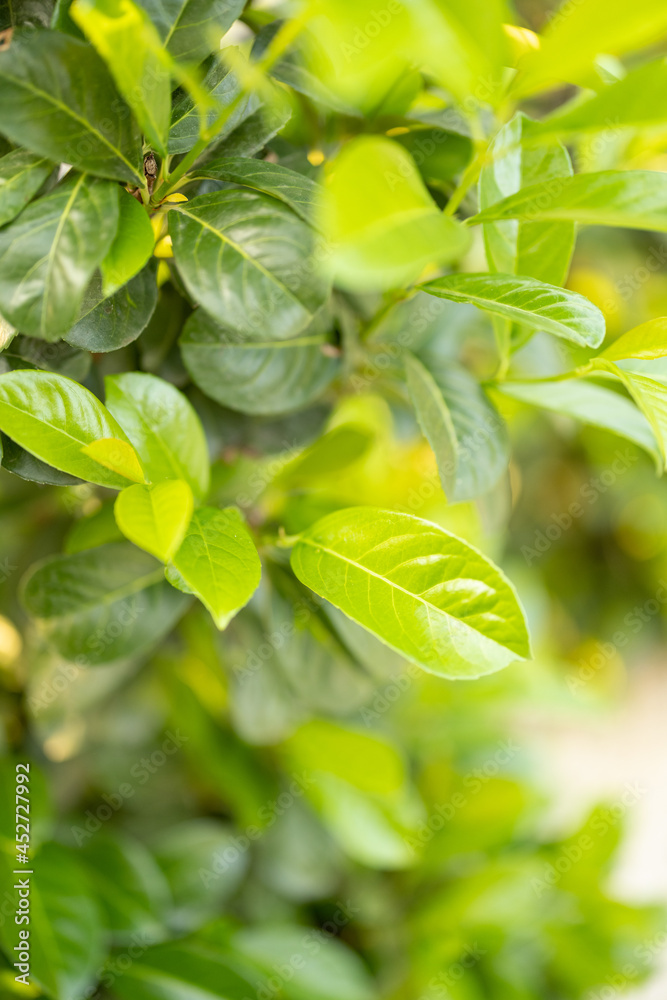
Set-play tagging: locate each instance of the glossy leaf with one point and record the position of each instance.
(245, 258)
(419, 589)
(130, 45)
(467, 435)
(257, 377)
(163, 427)
(102, 604)
(21, 176)
(116, 455)
(526, 301)
(222, 88)
(59, 100)
(132, 246)
(646, 341)
(634, 199)
(539, 250)
(218, 561)
(650, 395)
(155, 517)
(190, 29)
(49, 253)
(590, 403)
(383, 224)
(106, 324)
(53, 418)
(300, 193)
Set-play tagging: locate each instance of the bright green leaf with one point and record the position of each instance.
(132, 246)
(155, 517)
(646, 341)
(117, 455)
(419, 589)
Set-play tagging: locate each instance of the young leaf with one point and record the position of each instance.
(424, 592)
(49, 253)
(117, 455)
(132, 246)
(650, 395)
(526, 301)
(103, 604)
(295, 190)
(191, 29)
(163, 427)
(155, 517)
(21, 176)
(633, 199)
(473, 458)
(130, 45)
(59, 100)
(106, 324)
(218, 561)
(383, 224)
(257, 377)
(637, 100)
(646, 341)
(590, 403)
(539, 250)
(245, 258)
(54, 418)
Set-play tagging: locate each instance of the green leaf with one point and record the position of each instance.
(59, 100)
(638, 100)
(539, 250)
(131, 47)
(191, 29)
(117, 455)
(467, 435)
(155, 517)
(253, 131)
(591, 403)
(53, 418)
(245, 258)
(633, 199)
(49, 253)
(67, 946)
(532, 303)
(92, 530)
(163, 427)
(218, 561)
(259, 377)
(132, 247)
(650, 395)
(222, 87)
(383, 224)
(106, 324)
(575, 37)
(21, 463)
(334, 749)
(422, 591)
(17, 12)
(21, 176)
(295, 190)
(646, 341)
(102, 604)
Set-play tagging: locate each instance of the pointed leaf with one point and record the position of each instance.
(117, 455)
(155, 517)
(633, 199)
(59, 100)
(219, 562)
(260, 377)
(650, 395)
(53, 418)
(21, 176)
(245, 258)
(294, 189)
(422, 591)
(524, 300)
(49, 253)
(163, 427)
(646, 341)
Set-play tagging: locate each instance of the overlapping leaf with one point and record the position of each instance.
(190, 29)
(21, 176)
(295, 190)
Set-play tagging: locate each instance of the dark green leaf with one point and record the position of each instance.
(21, 176)
(295, 190)
(117, 320)
(222, 86)
(190, 29)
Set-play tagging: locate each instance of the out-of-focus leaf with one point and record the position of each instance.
(419, 589)
(163, 427)
(335, 749)
(155, 517)
(59, 100)
(219, 562)
(222, 87)
(58, 241)
(21, 176)
(254, 376)
(103, 604)
(190, 29)
(54, 418)
(245, 258)
(526, 301)
(382, 222)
